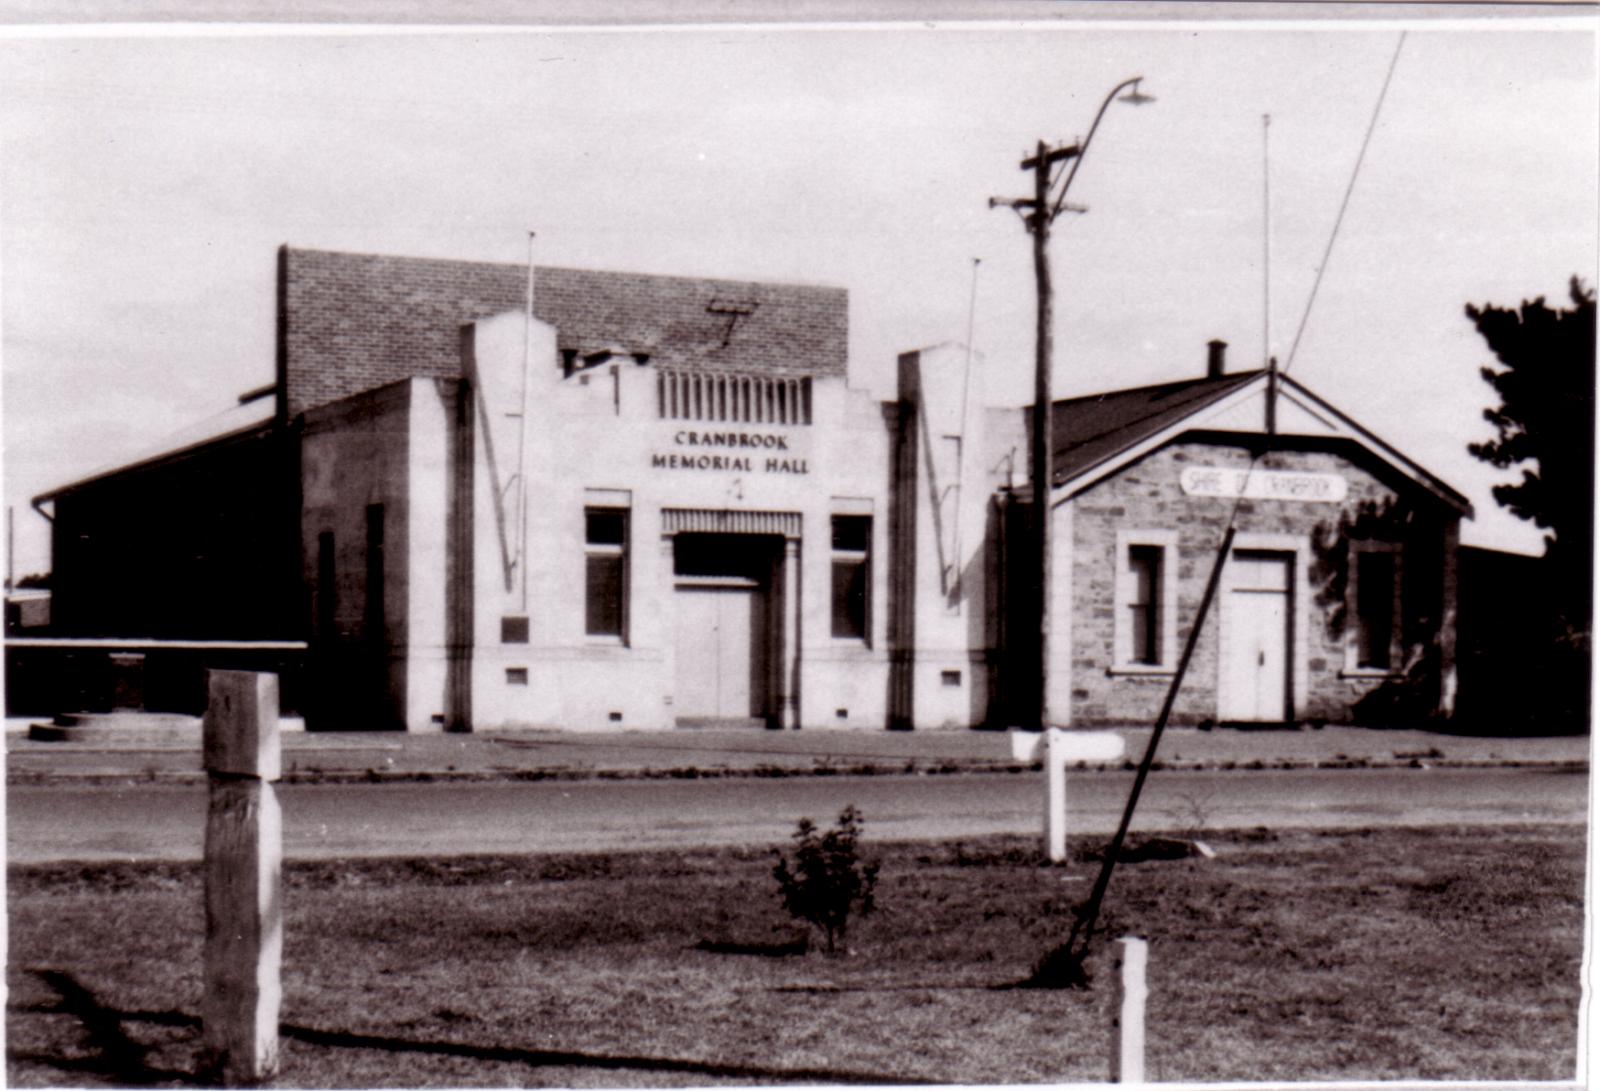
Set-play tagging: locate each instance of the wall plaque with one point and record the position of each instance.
(1263, 484)
(735, 452)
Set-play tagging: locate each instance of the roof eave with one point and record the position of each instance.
(1085, 476)
(1435, 483)
(259, 429)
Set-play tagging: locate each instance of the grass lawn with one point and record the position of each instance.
(1384, 954)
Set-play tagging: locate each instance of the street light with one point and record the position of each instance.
(1051, 181)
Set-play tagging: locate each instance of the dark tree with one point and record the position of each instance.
(1545, 426)
(1546, 413)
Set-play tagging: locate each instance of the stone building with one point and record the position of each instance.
(1336, 603)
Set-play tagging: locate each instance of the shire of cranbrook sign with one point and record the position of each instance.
(742, 452)
(1263, 484)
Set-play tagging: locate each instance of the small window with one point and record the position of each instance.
(516, 676)
(605, 571)
(513, 630)
(1144, 604)
(852, 576)
(1375, 612)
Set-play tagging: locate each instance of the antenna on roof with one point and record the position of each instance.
(961, 428)
(1266, 240)
(1266, 279)
(521, 559)
(972, 318)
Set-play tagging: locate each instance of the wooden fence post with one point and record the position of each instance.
(1127, 1024)
(243, 878)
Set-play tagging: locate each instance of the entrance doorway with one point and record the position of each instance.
(1258, 619)
(724, 628)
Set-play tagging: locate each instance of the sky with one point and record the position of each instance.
(147, 177)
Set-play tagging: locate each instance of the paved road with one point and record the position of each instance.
(80, 822)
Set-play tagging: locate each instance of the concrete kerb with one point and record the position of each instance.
(710, 754)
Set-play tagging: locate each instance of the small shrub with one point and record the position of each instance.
(825, 877)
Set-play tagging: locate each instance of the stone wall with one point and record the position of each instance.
(1379, 506)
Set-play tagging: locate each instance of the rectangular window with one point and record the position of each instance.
(1144, 604)
(1375, 614)
(327, 601)
(605, 571)
(373, 617)
(852, 576)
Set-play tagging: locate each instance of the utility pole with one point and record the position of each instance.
(522, 440)
(1043, 374)
(1038, 213)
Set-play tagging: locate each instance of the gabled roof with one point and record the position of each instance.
(241, 421)
(355, 321)
(1091, 429)
(1096, 435)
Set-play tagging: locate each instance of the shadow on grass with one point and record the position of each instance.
(124, 1061)
(787, 949)
(546, 1058)
(113, 1054)
(889, 987)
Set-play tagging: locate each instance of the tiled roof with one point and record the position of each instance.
(1095, 429)
(1088, 430)
(358, 321)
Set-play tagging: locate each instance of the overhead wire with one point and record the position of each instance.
(1333, 235)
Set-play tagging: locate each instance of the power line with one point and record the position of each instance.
(1349, 189)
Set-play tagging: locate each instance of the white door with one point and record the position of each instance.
(1255, 658)
(715, 631)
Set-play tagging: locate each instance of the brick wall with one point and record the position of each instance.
(1147, 496)
(353, 322)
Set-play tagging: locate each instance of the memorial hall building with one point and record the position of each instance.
(649, 502)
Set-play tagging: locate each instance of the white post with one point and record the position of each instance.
(1127, 1025)
(243, 878)
(1055, 796)
(1054, 748)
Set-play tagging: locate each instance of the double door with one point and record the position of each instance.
(724, 628)
(722, 660)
